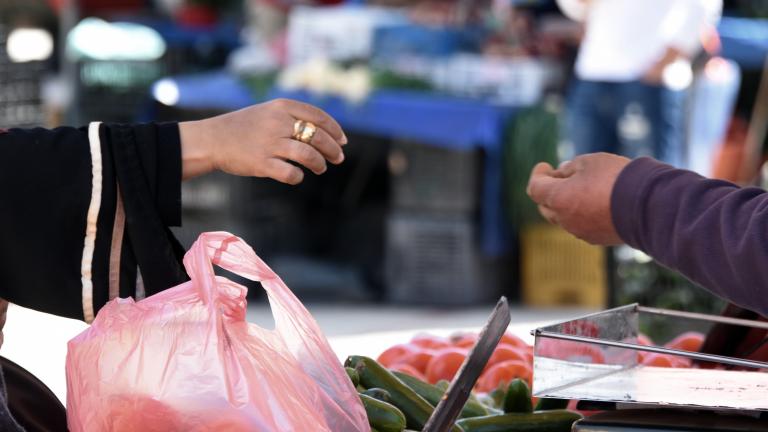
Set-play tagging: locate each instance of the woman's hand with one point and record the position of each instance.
(256, 141)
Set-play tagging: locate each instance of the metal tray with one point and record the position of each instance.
(595, 358)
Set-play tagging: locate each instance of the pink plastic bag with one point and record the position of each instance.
(185, 359)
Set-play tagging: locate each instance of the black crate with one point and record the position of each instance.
(433, 178)
(254, 209)
(435, 259)
(20, 92)
(116, 90)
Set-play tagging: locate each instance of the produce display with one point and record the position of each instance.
(432, 359)
(403, 385)
(396, 400)
(688, 341)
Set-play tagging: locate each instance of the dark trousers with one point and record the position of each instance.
(26, 403)
(628, 118)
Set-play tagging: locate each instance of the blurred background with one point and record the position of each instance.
(447, 104)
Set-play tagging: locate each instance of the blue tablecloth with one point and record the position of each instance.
(744, 40)
(225, 33)
(443, 121)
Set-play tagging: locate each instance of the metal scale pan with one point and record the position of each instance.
(595, 358)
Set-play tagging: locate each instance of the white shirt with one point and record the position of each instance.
(624, 38)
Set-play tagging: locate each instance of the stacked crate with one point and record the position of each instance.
(20, 91)
(115, 90)
(432, 242)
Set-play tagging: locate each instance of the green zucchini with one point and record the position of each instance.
(518, 397)
(537, 421)
(378, 393)
(433, 394)
(498, 394)
(488, 402)
(443, 385)
(382, 416)
(415, 408)
(353, 376)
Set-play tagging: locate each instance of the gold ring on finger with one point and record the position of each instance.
(304, 131)
(308, 133)
(298, 128)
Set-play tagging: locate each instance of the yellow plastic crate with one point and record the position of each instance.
(559, 269)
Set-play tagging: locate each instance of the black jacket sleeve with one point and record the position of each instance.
(84, 216)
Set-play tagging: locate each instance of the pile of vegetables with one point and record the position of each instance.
(688, 341)
(396, 400)
(403, 385)
(431, 359)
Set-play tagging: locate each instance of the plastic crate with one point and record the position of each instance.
(559, 269)
(20, 92)
(116, 90)
(248, 207)
(435, 259)
(433, 178)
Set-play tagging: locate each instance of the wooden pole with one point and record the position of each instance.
(756, 132)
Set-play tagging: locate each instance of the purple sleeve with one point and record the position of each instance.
(712, 231)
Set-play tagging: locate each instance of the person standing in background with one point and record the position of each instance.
(633, 63)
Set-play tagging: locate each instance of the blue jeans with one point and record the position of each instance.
(629, 118)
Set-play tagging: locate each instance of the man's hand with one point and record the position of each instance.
(577, 195)
(256, 141)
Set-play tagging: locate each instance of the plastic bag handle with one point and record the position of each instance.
(228, 252)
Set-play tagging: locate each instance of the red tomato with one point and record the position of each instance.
(445, 364)
(688, 341)
(510, 339)
(395, 354)
(587, 353)
(644, 340)
(528, 351)
(583, 328)
(658, 360)
(571, 351)
(408, 369)
(504, 372)
(681, 362)
(419, 359)
(505, 352)
(429, 341)
(459, 335)
(467, 340)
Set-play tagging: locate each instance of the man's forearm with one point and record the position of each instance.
(712, 231)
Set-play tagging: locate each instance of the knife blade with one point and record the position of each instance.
(452, 402)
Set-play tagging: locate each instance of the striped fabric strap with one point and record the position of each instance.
(86, 269)
(115, 255)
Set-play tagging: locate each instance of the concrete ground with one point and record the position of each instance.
(37, 341)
